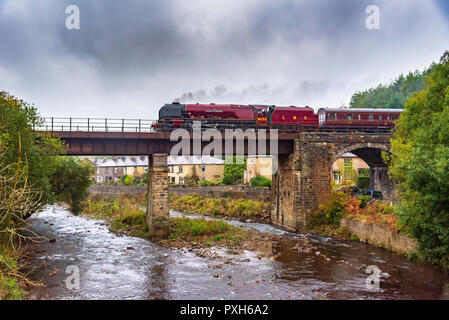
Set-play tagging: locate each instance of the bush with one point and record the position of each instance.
(364, 200)
(363, 182)
(260, 181)
(331, 212)
(205, 183)
(234, 173)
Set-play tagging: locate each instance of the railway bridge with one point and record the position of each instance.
(302, 181)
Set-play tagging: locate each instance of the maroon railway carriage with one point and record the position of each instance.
(293, 119)
(363, 120)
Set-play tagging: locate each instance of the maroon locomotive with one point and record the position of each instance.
(286, 119)
(229, 116)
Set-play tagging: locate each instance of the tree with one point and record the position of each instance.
(233, 173)
(31, 153)
(393, 95)
(70, 181)
(420, 165)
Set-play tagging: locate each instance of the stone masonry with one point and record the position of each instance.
(157, 206)
(303, 180)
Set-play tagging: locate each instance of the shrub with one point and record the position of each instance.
(363, 182)
(331, 212)
(260, 181)
(364, 200)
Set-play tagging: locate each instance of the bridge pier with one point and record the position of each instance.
(380, 180)
(157, 196)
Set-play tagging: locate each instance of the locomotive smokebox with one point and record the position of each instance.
(173, 110)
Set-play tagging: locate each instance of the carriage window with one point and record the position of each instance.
(332, 116)
(371, 117)
(349, 117)
(359, 117)
(380, 117)
(390, 117)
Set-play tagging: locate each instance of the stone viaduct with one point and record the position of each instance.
(301, 184)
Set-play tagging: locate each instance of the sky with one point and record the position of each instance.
(130, 57)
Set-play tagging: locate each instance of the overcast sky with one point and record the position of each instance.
(130, 57)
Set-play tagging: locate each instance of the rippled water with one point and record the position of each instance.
(120, 267)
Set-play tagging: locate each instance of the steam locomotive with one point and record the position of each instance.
(286, 119)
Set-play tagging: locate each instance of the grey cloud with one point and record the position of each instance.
(132, 56)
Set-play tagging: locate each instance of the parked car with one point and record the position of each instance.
(374, 194)
(352, 190)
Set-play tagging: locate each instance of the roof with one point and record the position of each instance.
(183, 160)
(139, 162)
(359, 110)
(123, 162)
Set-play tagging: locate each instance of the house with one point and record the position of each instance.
(258, 166)
(110, 170)
(346, 169)
(181, 168)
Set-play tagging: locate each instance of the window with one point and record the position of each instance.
(349, 116)
(389, 117)
(98, 170)
(107, 170)
(180, 169)
(332, 116)
(371, 117)
(203, 178)
(125, 170)
(203, 169)
(380, 117)
(115, 170)
(359, 117)
(181, 180)
(173, 179)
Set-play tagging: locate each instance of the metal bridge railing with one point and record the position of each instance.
(96, 125)
(52, 124)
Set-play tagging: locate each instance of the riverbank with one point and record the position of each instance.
(11, 279)
(227, 207)
(364, 220)
(125, 216)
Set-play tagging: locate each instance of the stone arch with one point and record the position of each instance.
(371, 153)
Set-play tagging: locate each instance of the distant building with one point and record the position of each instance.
(206, 168)
(110, 170)
(346, 169)
(258, 166)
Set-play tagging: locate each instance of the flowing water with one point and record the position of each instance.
(121, 267)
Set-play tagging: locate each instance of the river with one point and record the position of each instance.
(121, 267)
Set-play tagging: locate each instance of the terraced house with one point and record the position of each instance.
(110, 170)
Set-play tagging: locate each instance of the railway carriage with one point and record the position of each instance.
(357, 120)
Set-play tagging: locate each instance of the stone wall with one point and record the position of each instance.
(116, 191)
(378, 235)
(238, 191)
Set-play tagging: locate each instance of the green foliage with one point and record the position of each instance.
(420, 165)
(235, 208)
(392, 96)
(260, 181)
(233, 172)
(205, 183)
(70, 181)
(331, 212)
(196, 227)
(31, 153)
(364, 200)
(363, 182)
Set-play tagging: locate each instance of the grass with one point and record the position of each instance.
(228, 207)
(10, 288)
